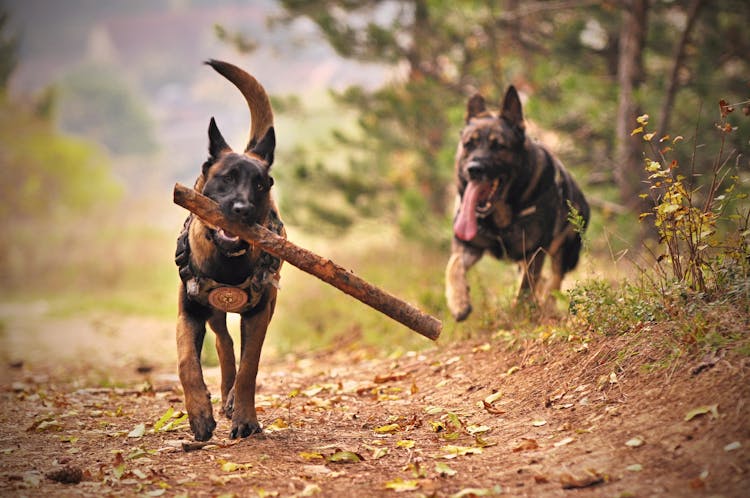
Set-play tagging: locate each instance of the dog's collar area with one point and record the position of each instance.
(228, 298)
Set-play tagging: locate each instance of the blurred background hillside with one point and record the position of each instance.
(105, 105)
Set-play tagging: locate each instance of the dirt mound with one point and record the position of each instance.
(472, 419)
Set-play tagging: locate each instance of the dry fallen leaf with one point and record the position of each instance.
(227, 466)
(400, 485)
(378, 453)
(452, 451)
(702, 410)
(493, 397)
(476, 492)
(526, 445)
(310, 490)
(635, 442)
(733, 446)
(406, 443)
(345, 457)
(563, 442)
(391, 377)
(278, 425)
(138, 431)
(310, 455)
(491, 409)
(477, 429)
(483, 348)
(444, 470)
(590, 478)
(387, 429)
(433, 410)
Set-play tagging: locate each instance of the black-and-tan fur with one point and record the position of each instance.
(513, 203)
(240, 183)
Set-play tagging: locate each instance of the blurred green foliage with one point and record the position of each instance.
(97, 103)
(49, 180)
(45, 173)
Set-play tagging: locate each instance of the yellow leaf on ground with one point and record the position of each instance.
(344, 457)
(278, 425)
(227, 466)
(493, 397)
(378, 453)
(443, 469)
(310, 455)
(478, 429)
(400, 485)
(452, 451)
(702, 410)
(387, 429)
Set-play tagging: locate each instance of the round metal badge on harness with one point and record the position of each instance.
(228, 299)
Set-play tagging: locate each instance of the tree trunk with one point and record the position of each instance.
(679, 60)
(628, 170)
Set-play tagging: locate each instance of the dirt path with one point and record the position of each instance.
(471, 419)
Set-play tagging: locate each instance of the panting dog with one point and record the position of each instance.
(515, 198)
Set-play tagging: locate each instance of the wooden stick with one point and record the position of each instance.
(309, 262)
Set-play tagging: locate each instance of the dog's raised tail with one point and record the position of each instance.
(261, 115)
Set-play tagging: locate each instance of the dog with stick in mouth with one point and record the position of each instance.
(222, 273)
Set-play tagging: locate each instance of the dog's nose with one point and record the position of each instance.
(242, 208)
(475, 170)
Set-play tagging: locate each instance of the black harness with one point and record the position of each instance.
(228, 298)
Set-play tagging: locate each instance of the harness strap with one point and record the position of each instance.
(210, 292)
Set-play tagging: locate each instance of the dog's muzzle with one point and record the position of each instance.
(476, 170)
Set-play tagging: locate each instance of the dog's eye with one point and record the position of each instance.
(470, 144)
(260, 186)
(230, 178)
(495, 144)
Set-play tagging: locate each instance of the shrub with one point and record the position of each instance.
(703, 242)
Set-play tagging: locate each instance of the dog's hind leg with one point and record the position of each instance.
(456, 284)
(564, 252)
(225, 350)
(531, 273)
(254, 326)
(190, 333)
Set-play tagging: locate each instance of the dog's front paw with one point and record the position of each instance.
(202, 427)
(462, 314)
(457, 288)
(244, 429)
(228, 407)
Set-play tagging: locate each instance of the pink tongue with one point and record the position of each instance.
(465, 226)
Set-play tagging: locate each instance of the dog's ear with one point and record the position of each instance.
(266, 146)
(216, 146)
(475, 106)
(512, 112)
(216, 143)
